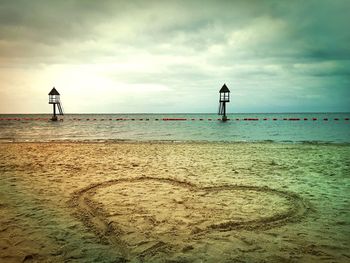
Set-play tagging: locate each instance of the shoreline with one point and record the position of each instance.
(116, 141)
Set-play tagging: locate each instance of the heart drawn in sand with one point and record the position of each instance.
(145, 216)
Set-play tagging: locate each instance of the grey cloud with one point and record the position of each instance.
(189, 26)
(330, 68)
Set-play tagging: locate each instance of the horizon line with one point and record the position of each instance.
(91, 113)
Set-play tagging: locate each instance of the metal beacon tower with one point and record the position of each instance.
(224, 97)
(54, 99)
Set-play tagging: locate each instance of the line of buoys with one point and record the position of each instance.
(173, 119)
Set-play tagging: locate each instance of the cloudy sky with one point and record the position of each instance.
(174, 56)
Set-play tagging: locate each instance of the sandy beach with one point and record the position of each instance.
(174, 202)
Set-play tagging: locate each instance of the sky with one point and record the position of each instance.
(148, 56)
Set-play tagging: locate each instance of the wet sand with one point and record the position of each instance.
(174, 202)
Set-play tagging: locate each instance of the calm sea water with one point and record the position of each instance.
(148, 127)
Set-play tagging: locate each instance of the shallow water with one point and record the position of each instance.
(327, 127)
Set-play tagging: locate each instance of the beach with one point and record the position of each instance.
(174, 202)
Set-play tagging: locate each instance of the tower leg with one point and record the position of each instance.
(224, 117)
(54, 117)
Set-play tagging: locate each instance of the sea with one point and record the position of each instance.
(240, 127)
